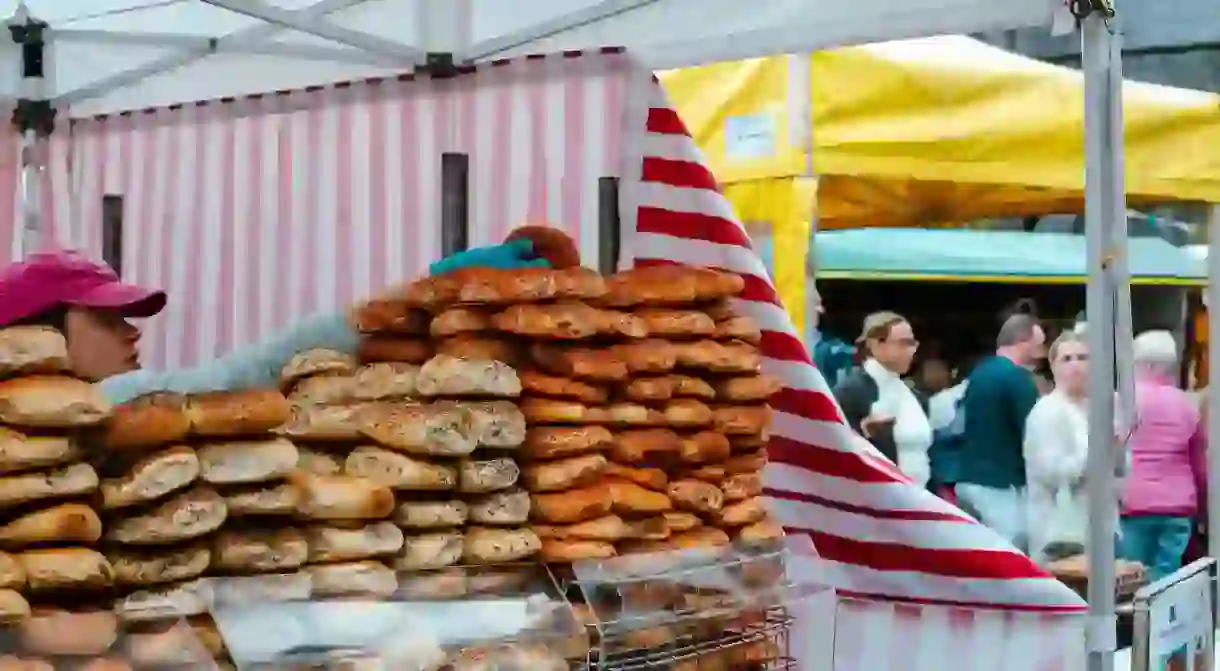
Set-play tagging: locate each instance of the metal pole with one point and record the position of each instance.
(609, 225)
(1102, 184)
(1213, 389)
(33, 117)
(455, 203)
(31, 192)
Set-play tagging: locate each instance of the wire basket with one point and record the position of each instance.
(723, 610)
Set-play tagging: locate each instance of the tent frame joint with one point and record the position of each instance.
(439, 65)
(1082, 9)
(34, 115)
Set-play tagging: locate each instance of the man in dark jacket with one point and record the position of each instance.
(1000, 393)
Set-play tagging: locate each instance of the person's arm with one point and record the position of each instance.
(914, 460)
(255, 366)
(1197, 449)
(258, 366)
(1023, 396)
(853, 401)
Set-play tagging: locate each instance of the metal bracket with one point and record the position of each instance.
(1082, 9)
(37, 115)
(34, 115)
(245, 39)
(439, 65)
(30, 35)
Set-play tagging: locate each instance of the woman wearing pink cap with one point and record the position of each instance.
(93, 308)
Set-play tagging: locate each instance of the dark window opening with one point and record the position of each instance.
(112, 232)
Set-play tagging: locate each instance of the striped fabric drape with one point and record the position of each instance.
(880, 539)
(254, 211)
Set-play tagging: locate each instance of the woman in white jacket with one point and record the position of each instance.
(879, 405)
(1056, 454)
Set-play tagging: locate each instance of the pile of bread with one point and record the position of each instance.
(489, 417)
(53, 576)
(642, 391)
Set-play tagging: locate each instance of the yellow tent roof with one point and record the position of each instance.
(927, 131)
(952, 112)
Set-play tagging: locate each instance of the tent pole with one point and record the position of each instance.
(1103, 189)
(196, 43)
(800, 132)
(445, 28)
(34, 118)
(1213, 390)
(257, 9)
(577, 18)
(233, 42)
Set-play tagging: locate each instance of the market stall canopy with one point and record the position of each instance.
(132, 54)
(990, 256)
(936, 130)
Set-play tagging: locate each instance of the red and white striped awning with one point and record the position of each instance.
(255, 211)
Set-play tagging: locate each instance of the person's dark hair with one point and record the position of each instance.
(1016, 329)
(55, 318)
(1021, 306)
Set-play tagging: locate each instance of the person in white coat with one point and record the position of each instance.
(1056, 452)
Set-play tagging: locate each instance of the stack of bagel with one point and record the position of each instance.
(346, 507)
(182, 477)
(699, 376)
(55, 583)
(447, 449)
(643, 397)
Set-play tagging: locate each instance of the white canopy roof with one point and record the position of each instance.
(112, 55)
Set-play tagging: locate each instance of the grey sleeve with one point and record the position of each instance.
(250, 367)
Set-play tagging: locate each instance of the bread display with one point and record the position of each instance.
(489, 419)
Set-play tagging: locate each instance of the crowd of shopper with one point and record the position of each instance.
(1009, 443)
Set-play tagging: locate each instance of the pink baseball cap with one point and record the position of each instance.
(46, 280)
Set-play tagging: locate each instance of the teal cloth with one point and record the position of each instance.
(998, 399)
(514, 254)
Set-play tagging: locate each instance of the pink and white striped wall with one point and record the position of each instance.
(256, 211)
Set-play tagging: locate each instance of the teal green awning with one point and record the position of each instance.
(989, 256)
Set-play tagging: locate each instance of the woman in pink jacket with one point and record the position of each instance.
(1164, 490)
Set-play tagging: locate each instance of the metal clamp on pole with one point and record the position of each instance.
(439, 65)
(1082, 9)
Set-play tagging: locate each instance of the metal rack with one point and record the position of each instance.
(332, 632)
(692, 610)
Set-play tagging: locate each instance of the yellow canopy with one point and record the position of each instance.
(932, 130)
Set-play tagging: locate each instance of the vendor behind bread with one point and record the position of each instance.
(93, 308)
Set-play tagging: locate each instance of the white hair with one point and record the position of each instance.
(1157, 351)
